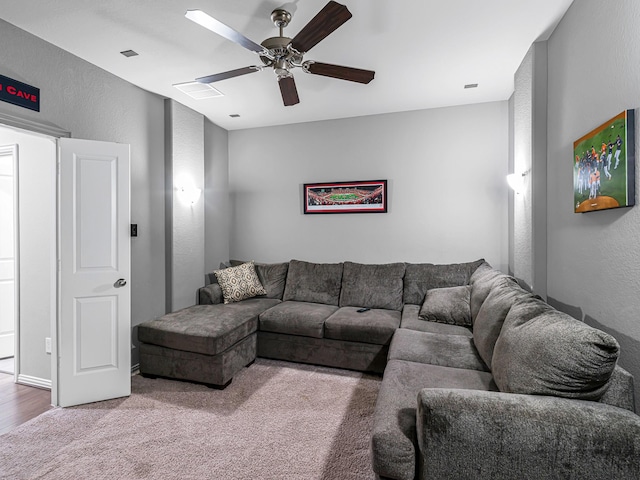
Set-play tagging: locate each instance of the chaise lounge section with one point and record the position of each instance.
(189, 345)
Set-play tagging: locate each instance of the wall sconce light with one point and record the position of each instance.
(516, 182)
(188, 192)
(191, 194)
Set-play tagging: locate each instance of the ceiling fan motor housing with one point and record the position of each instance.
(283, 58)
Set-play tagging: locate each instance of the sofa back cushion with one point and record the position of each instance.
(372, 286)
(481, 282)
(420, 277)
(273, 277)
(492, 314)
(542, 351)
(210, 294)
(313, 282)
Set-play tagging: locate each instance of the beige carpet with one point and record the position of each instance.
(276, 420)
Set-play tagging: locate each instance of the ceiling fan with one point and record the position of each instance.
(283, 53)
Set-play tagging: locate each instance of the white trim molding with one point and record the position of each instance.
(34, 381)
(42, 127)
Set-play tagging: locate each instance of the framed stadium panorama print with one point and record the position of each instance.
(368, 196)
(604, 166)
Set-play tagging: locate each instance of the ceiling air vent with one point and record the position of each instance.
(129, 53)
(198, 90)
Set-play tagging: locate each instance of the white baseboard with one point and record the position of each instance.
(34, 381)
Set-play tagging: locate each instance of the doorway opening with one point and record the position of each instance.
(27, 254)
(9, 274)
(73, 299)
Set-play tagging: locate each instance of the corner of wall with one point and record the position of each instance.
(216, 196)
(184, 224)
(529, 125)
(168, 200)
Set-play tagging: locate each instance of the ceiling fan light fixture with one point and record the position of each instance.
(281, 67)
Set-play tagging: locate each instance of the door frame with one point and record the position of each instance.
(46, 128)
(14, 150)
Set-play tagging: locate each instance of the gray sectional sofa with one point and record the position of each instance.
(481, 379)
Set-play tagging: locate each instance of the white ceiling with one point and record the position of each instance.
(423, 51)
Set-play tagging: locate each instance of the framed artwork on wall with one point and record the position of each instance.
(604, 166)
(369, 196)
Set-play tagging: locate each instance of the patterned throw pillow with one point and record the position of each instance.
(239, 283)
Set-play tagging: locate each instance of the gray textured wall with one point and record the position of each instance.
(447, 192)
(593, 258)
(185, 234)
(93, 104)
(529, 156)
(216, 195)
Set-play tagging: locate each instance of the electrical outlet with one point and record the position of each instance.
(47, 345)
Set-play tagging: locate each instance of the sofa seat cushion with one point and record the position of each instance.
(448, 305)
(393, 440)
(297, 318)
(492, 314)
(206, 329)
(372, 286)
(420, 277)
(373, 326)
(457, 351)
(411, 320)
(542, 351)
(313, 282)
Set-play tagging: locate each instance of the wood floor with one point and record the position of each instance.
(19, 403)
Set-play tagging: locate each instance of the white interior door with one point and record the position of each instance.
(8, 221)
(94, 319)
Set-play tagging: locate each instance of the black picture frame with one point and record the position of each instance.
(362, 196)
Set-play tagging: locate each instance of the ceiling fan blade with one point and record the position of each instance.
(288, 91)
(343, 73)
(230, 74)
(216, 26)
(321, 26)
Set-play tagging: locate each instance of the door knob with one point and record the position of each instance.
(121, 282)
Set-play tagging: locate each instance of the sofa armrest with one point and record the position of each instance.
(210, 294)
(468, 434)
